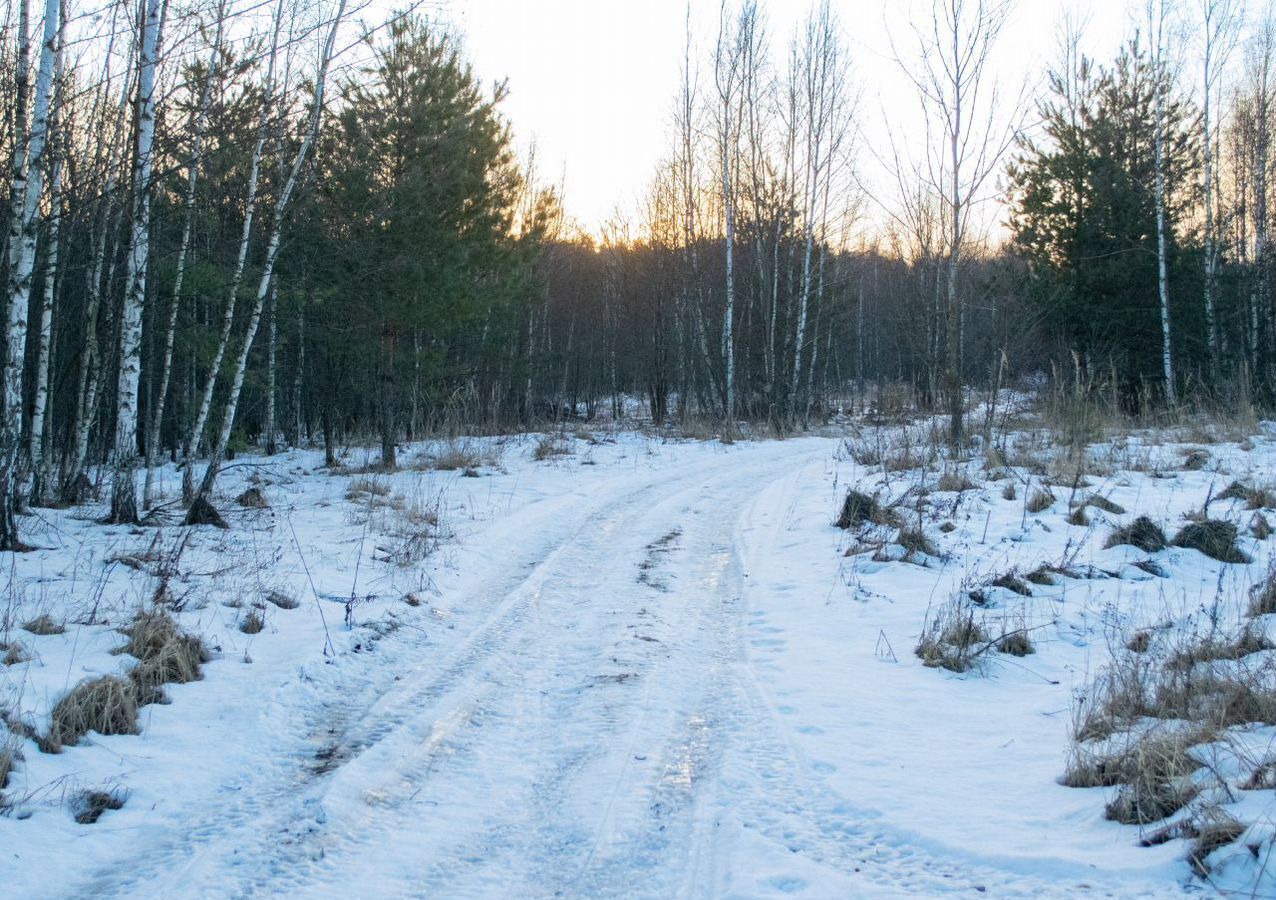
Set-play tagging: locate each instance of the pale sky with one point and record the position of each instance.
(594, 81)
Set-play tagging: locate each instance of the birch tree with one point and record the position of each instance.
(124, 486)
(218, 452)
(967, 136)
(192, 180)
(26, 188)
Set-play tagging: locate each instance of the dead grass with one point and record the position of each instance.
(360, 490)
(1159, 782)
(1098, 501)
(89, 806)
(1262, 598)
(1254, 498)
(1213, 537)
(252, 498)
(1213, 829)
(281, 600)
(549, 446)
(8, 762)
(165, 654)
(1040, 501)
(915, 541)
(952, 639)
(1142, 533)
(107, 705)
(43, 625)
(954, 480)
(15, 654)
(859, 508)
(253, 623)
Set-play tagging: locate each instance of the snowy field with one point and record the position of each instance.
(615, 666)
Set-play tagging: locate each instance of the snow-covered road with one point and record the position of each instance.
(601, 722)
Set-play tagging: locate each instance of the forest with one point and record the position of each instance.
(272, 224)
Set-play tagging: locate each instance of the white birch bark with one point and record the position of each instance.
(1157, 13)
(124, 487)
(268, 265)
(196, 432)
(170, 331)
(36, 451)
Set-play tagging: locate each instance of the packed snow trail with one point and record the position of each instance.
(600, 732)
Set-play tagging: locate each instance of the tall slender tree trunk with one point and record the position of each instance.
(153, 431)
(27, 185)
(268, 264)
(124, 486)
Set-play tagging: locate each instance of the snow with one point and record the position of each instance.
(642, 668)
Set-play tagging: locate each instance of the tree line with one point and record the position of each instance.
(234, 222)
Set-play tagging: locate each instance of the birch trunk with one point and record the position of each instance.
(268, 266)
(124, 486)
(170, 330)
(196, 432)
(25, 197)
(37, 453)
(1162, 276)
(269, 424)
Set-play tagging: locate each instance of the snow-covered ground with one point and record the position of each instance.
(636, 668)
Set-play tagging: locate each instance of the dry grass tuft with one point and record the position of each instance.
(253, 623)
(550, 446)
(89, 806)
(281, 600)
(1255, 498)
(8, 762)
(1012, 582)
(954, 480)
(915, 541)
(165, 654)
(1213, 537)
(1195, 459)
(1040, 501)
(15, 654)
(1016, 643)
(1098, 501)
(361, 489)
(252, 498)
(858, 509)
(43, 624)
(1214, 830)
(1262, 599)
(951, 638)
(107, 705)
(1159, 782)
(1139, 642)
(1142, 533)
